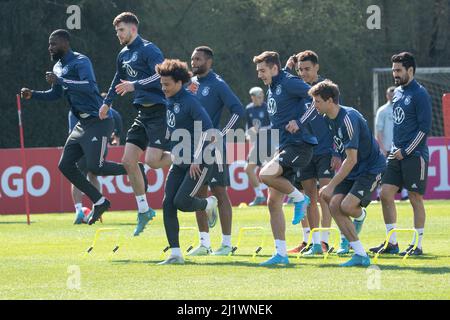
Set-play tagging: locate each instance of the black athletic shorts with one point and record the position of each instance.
(361, 188)
(220, 171)
(410, 173)
(149, 128)
(293, 157)
(318, 168)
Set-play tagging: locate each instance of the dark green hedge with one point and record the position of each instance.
(236, 29)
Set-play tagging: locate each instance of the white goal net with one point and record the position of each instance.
(435, 80)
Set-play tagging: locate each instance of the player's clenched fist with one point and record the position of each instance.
(26, 93)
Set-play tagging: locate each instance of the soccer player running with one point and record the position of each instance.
(215, 94)
(350, 190)
(73, 76)
(258, 134)
(287, 97)
(190, 168)
(135, 72)
(408, 159)
(323, 163)
(77, 195)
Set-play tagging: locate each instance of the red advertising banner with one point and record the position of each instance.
(49, 191)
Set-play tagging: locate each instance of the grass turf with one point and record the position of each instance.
(41, 261)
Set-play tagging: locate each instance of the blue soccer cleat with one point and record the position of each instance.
(315, 249)
(79, 216)
(143, 219)
(300, 210)
(359, 224)
(344, 247)
(258, 201)
(276, 259)
(357, 260)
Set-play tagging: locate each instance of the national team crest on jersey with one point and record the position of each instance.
(272, 106)
(170, 119)
(256, 123)
(261, 114)
(278, 90)
(64, 70)
(176, 108)
(407, 100)
(134, 57)
(340, 135)
(205, 91)
(399, 115)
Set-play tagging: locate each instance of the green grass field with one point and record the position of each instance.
(37, 262)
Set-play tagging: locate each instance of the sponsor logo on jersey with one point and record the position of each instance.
(170, 119)
(272, 106)
(399, 115)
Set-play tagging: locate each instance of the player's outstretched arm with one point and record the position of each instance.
(54, 93)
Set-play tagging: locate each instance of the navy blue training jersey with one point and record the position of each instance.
(215, 94)
(257, 116)
(287, 99)
(136, 63)
(350, 131)
(76, 80)
(320, 130)
(412, 119)
(183, 109)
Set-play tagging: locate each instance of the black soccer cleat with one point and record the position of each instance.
(142, 168)
(98, 211)
(411, 252)
(390, 249)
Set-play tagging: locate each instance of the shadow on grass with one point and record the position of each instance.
(16, 222)
(397, 257)
(212, 263)
(120, 224)
(399, 267)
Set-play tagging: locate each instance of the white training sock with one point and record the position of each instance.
(100, 201)
(296, 195)
(209, 204)
(393, 238)
(358, 248)
(362, 216)
(258, 191)
(175, 252)
(280, 245)
(325, 236)
(78, 207)
(205, 240)
(306, 232)
(404, 193)
(419, 244)
(226, 240)
(316, 238)
(142, 203)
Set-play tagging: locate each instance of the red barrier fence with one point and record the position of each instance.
(49, 191)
